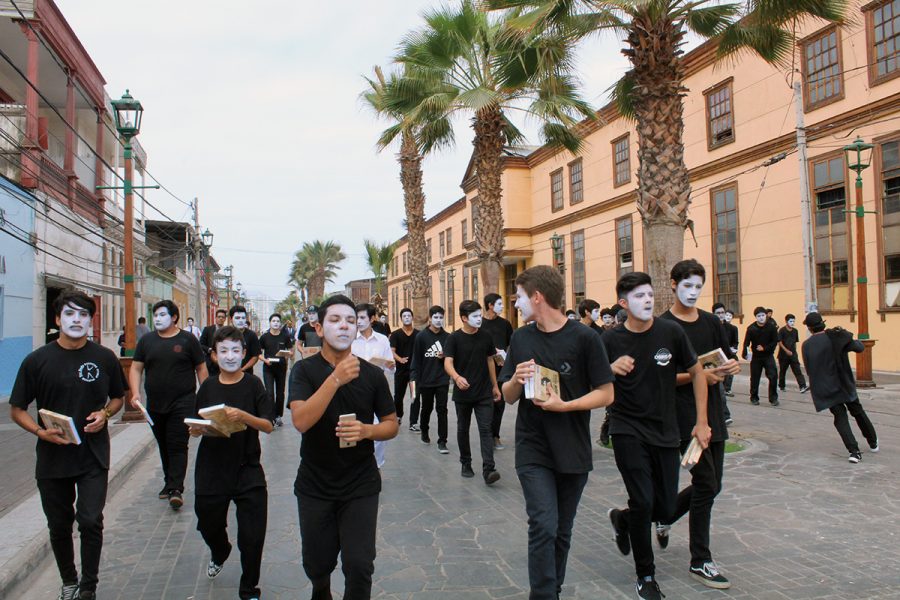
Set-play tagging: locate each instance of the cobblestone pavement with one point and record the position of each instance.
(795, 520)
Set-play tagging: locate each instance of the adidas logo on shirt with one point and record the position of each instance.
(435, 351)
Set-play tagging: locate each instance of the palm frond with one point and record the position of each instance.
(622, 95)
(711, 20)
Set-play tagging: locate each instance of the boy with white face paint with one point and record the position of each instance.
(470, 364)
(646, 356)
(788, 354)
(337, 488)
(762, 337)
(273, 341)
(500, 330)
(229, 470)
(308, 341)
(370, 344)
(431, 380)
(173, 363)
(240, 321)
(553, 440)
(589, 313)
(83, 380)
(402, 341)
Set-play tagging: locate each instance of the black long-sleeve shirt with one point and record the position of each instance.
(765, 336)
(731, 333)
(427, 364)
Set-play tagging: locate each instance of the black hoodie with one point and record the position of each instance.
(427, 368)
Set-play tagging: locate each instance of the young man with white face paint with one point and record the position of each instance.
(402, 341)
(273, 341)
(83, 380)
(337, 487)
(501, 331)
(732, 335)
(240, 321)
(308, 341)
(788, 340)
(206, 340)
(370, 344)
(469, 361)
(553, 438)
(589, 314)
(192, 329)
(762, 337)
(229, 470)
(173, 363)
(646, 356)
(431, 380)
(607, 315)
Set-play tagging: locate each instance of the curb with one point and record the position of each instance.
(26, 543)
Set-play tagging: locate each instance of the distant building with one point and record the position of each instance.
(360, 290)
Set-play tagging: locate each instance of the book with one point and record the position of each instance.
(144, 412)
(64, 423)
(692, 454)
(285, 353)
(206, 426)
(213, 417)
(536, 387)
(712, 359)
(382, 362)
(274, 360)
(500, 357)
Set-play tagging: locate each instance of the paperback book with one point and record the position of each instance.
(544, 381)
(64, 423)
(692, 454)
(712, 359)
(215, 423)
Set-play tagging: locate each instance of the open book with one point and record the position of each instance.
(536, 387)
(692, 454)
(65, 424)
(214, 422)
(712, 359)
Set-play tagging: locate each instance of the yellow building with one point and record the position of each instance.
(741, 147)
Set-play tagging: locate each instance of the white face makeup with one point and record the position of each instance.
(362, 321)
(275, 323)
(728, 317)
(383, 319)
(74, 321)
(229, 355)
(339, 327)
(688, 290)
(720, 313)
(761, 318)
(790, 323)
(640, 302)
(162, 320)
(239, 320)
(608, 319)
(406, 318)
(571, 316)
(523, 304)
(312, 317)
(475, 319)
(595, 314)
(498, 306)
(437, 321)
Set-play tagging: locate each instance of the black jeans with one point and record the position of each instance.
(172, 438)
(251, 510)
(697, 499)
(792, 362)
(650, 474)
(722, 387)
(551, 500)
(274, 377)
(497, 418)
(401, 382)
(757, 366)
(434, 398)
(62, 507)
(329, 527)
(729, 380)
(484, 412)
(842, 424)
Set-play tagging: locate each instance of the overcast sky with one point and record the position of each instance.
(254, 108)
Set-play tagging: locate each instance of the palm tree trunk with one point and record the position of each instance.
(664, 189)
(414, 203)
(489, 140)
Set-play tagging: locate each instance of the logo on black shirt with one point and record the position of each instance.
(565, 368)
(435, 351)
(89, 372)
(662, 357)
(176, 348)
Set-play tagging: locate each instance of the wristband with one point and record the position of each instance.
(107, 412)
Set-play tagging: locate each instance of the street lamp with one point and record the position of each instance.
(859, 157)
(556, 243)
(207, 237)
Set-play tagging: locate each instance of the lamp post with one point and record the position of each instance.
(202, 244)
(556, 243)
(859, 156)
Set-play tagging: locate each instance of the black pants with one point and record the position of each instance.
(434, 398)
(484, 412)
(497, 418)
(401, 382)
(729, 380)
(80, 499)
(757, 366)
(784, 362)
(842, 424)
(697, 499)
(274, 377)
(650, 474)
(722, 387)
(345, 527)
(172, 438)
(551, 500)
(251, 510)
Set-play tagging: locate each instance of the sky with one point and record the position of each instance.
(253, 107)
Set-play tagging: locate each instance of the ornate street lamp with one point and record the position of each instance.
(556, 243)
(859, 157)
(128, 114)
(207, 237)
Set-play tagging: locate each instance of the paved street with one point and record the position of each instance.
(795, 520)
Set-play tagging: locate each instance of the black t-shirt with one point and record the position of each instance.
(558, 440)
(645, 398)
(326, 470)
(251, 343)
(403, 344)
(308, 336)
(271, 344)
(470, 353)
(705, 334)
(74, 383)
(788, 339)
(597, 329)
(169, 368)
(499, 329)
(231, 465)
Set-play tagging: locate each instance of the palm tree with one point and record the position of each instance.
(291, 305)
(466, 61)
(654, 31)
(379, 257)
(316, 263)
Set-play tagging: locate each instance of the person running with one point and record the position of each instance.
(833, 387)
(228, 470)
(206, 340)
(239, 320)
(83, 380)
(273, 341)
(308, 341)
(762, 339)
(553, 440)
(500, 331)
(646, 356)
(334, 399)
(788, 356)
(401, 342)
(173, 363)
(589, 312)
(432, 381)
(369, 345)
(706, 333)
(469, 361)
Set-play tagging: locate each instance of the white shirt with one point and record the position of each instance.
(194, 330)
(376, 345)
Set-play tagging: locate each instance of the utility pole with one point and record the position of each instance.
(809, 287)
(198, 257)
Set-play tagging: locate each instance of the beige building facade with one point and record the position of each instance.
(741, 147)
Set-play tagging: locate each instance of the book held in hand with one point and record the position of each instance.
(144, 412)
(64, 423)
(692, 454)
(213, 417)
(205, 426)
(536, 388)
(382, 363)
(712, 359)
(285, 353)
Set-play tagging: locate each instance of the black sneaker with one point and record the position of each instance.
(466, 471)
(164, 493)
(175, 499)
(648, 589)
(854, 457)
(774, 402)
(729, 393)
(781, 388)
(212, 569)
(414, 427)
(804, 389)
(491, 477)
(620, 529)
(662, 535)
(754, 401)
(426, 439)
(708, 574)
(87, 595)
(874, 447)
(442, 448)
(729, 421)
(68, 592)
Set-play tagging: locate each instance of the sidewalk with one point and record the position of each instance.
(795, 520)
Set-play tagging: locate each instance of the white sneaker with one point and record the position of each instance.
(68, 592)
(874, 448)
